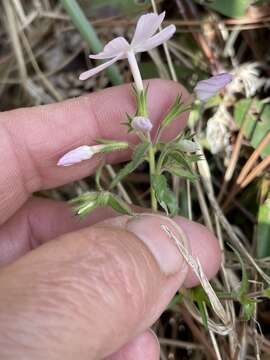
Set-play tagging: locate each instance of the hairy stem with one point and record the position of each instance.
(152, 165)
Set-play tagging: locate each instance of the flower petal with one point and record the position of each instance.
(87, 74)
(205, 89)
(147, 25)
(76, 156)
(157, 39)
(112, 49)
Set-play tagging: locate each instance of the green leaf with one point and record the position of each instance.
(174, 168)
(248, 308)
(255, 129)
(177, 108)
(119, 205)
(199, 296)
(178, 299)
(164, 195)
(108, 8)
(137, 159)
(231, 8)
(248, 304)
(263, 230)
(184, 160)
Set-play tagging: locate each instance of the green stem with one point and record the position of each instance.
(160, 162)
(89, 34)
(152, 165)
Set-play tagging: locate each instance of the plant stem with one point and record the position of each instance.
(143, 112)
(152, 165)
(89, 34)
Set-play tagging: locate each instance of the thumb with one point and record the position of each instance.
(86, 294)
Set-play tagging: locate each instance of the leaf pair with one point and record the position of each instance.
(164, 195)
(137, 159)
(89, 201)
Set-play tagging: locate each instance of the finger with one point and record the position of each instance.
(38, 221)
(33, 140)
(98, 287)
(143, 347)
(41, 220)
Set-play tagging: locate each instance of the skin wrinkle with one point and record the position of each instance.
(7, 194)
(70, 296)
(32, 238)
(141, 293)
(68, 284)
(122, 280)
(99, 128)
(18, 164)
(123, 277)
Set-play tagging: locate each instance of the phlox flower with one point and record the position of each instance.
(205, 89)
(144, 39)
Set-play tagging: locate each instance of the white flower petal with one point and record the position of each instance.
(157, 39)
(87, 74)
(146, 27)
(112, 49)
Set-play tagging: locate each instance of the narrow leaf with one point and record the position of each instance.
(164, 195)
(177, 108)
(119, 205)
(263, 230)
(137, 159)
(175, 169)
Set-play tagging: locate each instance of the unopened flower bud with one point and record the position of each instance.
(79, 154)
(205, 89)
(86, 152)
(75, 156)
(142, 124)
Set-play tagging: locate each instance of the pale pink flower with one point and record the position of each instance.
(143, 40)
(205, 89)
(142, 124)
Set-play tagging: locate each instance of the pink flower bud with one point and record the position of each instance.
(205, 89)
(142, 124)
(75, 156)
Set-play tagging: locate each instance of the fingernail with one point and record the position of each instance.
(148, 228)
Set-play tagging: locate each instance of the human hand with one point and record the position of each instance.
(87, 289)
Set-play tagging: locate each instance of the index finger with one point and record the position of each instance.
(33, 139)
